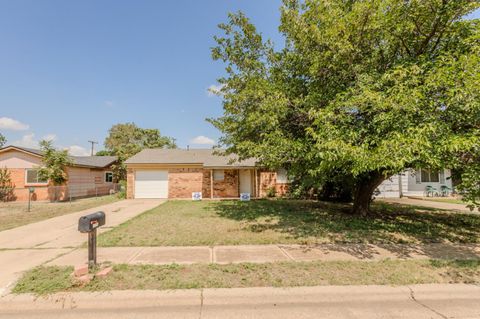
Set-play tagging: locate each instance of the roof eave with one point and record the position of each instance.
(11, 147)
(229, 166)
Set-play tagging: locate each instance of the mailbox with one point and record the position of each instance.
(90, 222)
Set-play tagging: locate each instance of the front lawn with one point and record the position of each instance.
(15, 214)
(187, 223)
(44, 280)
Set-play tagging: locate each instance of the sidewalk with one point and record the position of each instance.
(361, 302)
(429, 204)
(269, 253)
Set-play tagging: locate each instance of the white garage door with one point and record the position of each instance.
(151, 184)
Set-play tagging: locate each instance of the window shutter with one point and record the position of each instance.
(442, 176)
(418, 176)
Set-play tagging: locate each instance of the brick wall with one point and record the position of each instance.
(130, 183)
(282, 189)
(228, 187)
(21, 191)
(268, 180)
(182, 182)
(206, 189)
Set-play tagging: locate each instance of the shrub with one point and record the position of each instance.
(122, 193)
(271, 192)
(6, 186)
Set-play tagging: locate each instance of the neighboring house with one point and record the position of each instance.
(88, 176)
(177, 173)
(416, 182)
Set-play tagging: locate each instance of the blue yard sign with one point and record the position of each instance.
(197, 196)
(245, 196)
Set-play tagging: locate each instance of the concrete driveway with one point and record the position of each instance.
(61, 231)
(28, 246)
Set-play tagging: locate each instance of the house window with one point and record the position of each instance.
(31, 177)
(108, 177)
(282, 177)
(218, 175)
(429, 176)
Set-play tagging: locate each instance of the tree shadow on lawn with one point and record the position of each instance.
(400, 229)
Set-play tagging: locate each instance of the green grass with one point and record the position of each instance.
(15, 214)
(185, 223)
(44, 280)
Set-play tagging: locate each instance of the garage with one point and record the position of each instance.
(151, 184)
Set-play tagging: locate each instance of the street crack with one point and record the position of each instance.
(412, 296)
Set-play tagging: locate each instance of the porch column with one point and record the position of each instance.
(255, 183)
(254, 172)
(211, 184)
(238, 182)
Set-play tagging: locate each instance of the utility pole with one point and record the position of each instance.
(93, 143)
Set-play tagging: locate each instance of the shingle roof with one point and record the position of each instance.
(94, 161)
(206, 157)
(90, 161)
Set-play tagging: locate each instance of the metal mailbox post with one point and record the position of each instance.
(89, 224)
(31, 190)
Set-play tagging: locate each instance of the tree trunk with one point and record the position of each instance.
(363, 193)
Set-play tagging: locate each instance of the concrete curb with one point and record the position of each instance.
(417, 301)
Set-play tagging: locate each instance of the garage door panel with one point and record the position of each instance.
(151, 184)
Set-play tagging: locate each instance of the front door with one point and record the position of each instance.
(245, 181)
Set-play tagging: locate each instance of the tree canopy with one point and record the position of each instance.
(3, 140)
(360, 89)
(127, 139)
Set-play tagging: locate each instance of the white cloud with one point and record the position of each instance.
(7, 123)
(214, 90)
(109, 103)
(202, 140)
(28, 140)
(76, 150)
(49, 137)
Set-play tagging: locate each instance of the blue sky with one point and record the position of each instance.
(72, 69)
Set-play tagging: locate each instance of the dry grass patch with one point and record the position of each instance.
(44, 280)
(15, 214)
(186, 223)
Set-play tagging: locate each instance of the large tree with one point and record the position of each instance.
(360, 89)
(127, 139)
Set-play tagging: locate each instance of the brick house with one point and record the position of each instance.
(177, 173)
(88, 176)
